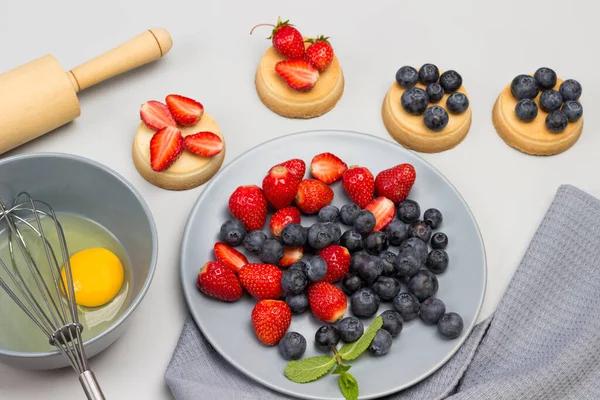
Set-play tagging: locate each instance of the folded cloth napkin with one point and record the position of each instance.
(543, 342)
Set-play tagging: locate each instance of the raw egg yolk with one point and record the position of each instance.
(97, 276)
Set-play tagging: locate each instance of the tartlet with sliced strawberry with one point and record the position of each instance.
(177, 145)
(298, 76)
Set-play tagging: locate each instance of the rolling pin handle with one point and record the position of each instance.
(142, 49)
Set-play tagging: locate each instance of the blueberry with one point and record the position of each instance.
(435, 91)
(450, 325)
(254, 241)
(414, 247)
(377, 242)
(298, 302)
(381, 343)
(326, 337)
(389, 260)
(557, 121)
(357, 259)
(319, 236)
(335, 231)
(294, 235)
(545, 78)
(353, 241)
(550, 100)
(570, 90)
(292, 346)
(407, 306)
(352, 282)
(429, 73)
(386, 288)
(409, 210)
(329, 213)
(348, 213)
(364, 221)
(432, 310)
(451, 81)
(392, 322)
(526, 110)
(407, 265)
(397, 232)
(294, 281)
(351, 329)
(424, 284)
(315, 268)
(407, 77)
(457, 103)
(414, 101)
(435, 118)
(439, 240)
(370, 268)
(421, 230)
(437, 261)
(364, 303)
(271, 251)
(524, 87)
(573, 109)
(232, 232)
(433, 217)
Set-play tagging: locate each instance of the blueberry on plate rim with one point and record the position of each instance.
(450, 325)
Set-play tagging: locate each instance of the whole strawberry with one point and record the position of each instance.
(319, 53)
(296, 166)
(282, 217)
(313, 195)
(327, 302)
(218, 280)
(280, 187)
(338, 262)
(249, 205)
(271, 320)
(262, 281)
(286, 39)
(359, 185)
(395, 183)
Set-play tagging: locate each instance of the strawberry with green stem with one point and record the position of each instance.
(319, 53)
(287, 40)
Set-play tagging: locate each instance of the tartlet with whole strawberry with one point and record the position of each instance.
(177, 145)
(298, 76)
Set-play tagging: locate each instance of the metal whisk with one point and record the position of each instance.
(42, 298)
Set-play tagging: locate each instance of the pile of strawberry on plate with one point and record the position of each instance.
(303, 65)
(300, 268)
(167, 120)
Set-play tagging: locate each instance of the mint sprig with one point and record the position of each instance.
(311, 369)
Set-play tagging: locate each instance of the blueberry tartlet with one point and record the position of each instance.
(539, 114)
(427, 110)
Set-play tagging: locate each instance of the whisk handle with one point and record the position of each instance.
(90, 386)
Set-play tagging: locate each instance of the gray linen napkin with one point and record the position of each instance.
(543, 342)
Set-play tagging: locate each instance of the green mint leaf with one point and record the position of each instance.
(349, 386)
(350, 351)
(309, 369)
(340, 369)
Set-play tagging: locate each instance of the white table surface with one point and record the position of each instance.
(214, 60)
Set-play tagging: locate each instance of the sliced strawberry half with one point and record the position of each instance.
(299, 74)
(229, 256)
(384, 211)
(327, 167)
(205, 144)
(165, 147)
(186, 111)
(156, 115)
(290, 256)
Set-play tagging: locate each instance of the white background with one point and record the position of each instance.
(214, 60)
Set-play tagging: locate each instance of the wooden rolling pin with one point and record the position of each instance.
(39, 96)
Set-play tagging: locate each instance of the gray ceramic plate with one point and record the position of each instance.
(417, 352)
